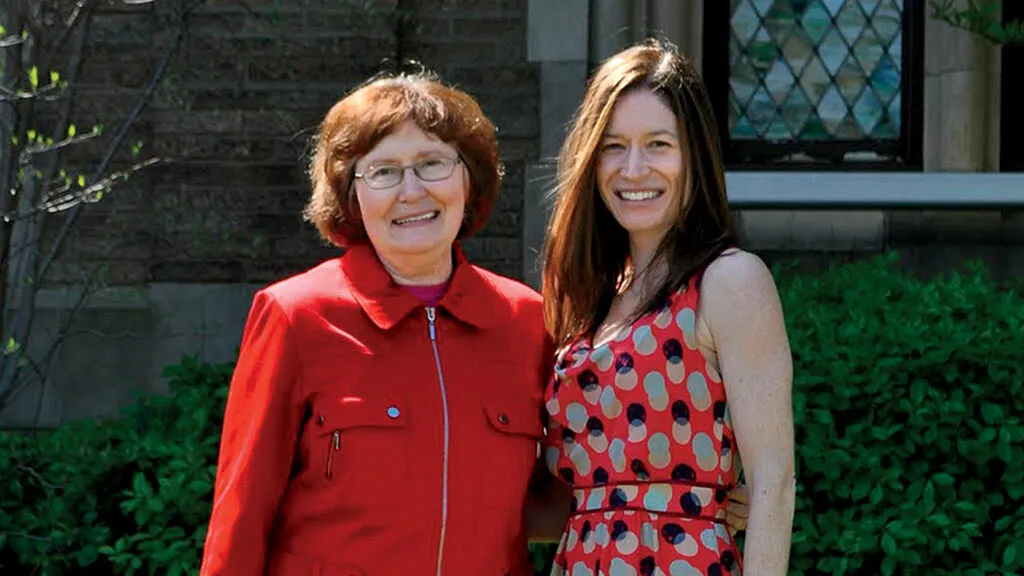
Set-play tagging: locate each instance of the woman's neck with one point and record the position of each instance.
(419, 271)
(648, 270)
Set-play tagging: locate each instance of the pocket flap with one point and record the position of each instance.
(344, 412)
(520, 416)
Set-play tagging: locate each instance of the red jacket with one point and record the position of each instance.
(367, 434)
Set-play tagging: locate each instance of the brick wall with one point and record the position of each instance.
(234, 116)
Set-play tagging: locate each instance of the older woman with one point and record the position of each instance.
(384, 414)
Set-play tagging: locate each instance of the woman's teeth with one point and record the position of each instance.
(420, 218)
(638, 195)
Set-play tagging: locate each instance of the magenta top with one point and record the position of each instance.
(429, 295)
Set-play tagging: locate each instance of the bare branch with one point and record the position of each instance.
(34, 149)
(34, 474)
(95, 192)
(77, 15)
(119, 137)
(90, 281)
(58, 201)
(70, 203)
(40, 375)
(12, 40)
(22, 297)
(8, 95)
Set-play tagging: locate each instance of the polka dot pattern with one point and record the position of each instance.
(640, 429)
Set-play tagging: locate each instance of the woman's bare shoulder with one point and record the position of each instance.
(737, 269)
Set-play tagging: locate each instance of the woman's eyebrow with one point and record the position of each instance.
(654, 133)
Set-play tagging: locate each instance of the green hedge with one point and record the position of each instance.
(910, 444)
(909, 398)
(127, 495)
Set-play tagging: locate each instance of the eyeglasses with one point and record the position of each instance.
(427, 170)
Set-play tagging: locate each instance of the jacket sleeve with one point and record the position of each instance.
(261, 426)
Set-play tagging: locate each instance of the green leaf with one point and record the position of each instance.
(140, 485)
(889, 544)
(86, 556)
(54, 77)
(33, 77)
(1010, 556)
(877, 494)
(81, 181)
(928, 497)
(991, 413)
(71, 131)
(965, 507)
(918, 390)
(987, 435)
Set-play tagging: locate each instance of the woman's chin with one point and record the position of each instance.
(419, 242)
(644, 226)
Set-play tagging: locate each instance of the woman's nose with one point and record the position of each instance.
(635, 164)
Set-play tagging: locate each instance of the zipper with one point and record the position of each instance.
(431, 317)
(335, 446)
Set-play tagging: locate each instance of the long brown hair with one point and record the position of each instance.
(586, 253)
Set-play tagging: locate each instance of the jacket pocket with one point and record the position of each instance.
(509, 445)
(515, 417)
(359, 448)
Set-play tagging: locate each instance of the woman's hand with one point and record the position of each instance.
(737, 509)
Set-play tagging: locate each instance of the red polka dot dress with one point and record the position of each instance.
(640, 430)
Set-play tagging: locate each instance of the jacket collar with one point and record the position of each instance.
(470, 297)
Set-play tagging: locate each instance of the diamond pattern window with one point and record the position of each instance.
(815, 81)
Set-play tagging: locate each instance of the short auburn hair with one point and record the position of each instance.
(372, 111)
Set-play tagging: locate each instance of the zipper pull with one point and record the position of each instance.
(335, 445)
(430, 319)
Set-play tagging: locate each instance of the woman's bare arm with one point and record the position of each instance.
(741, 307)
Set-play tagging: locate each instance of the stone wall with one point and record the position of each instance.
(235, 114)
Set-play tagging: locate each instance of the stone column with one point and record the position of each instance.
(682, 22)
(611, 27)
(961, 134)
(961, 111)
(994, 108)
(558, 40)
(614, 24)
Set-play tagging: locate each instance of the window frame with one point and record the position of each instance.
(740, 154)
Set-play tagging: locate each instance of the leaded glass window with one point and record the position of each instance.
(815, 80)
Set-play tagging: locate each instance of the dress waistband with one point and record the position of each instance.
(690, 500)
